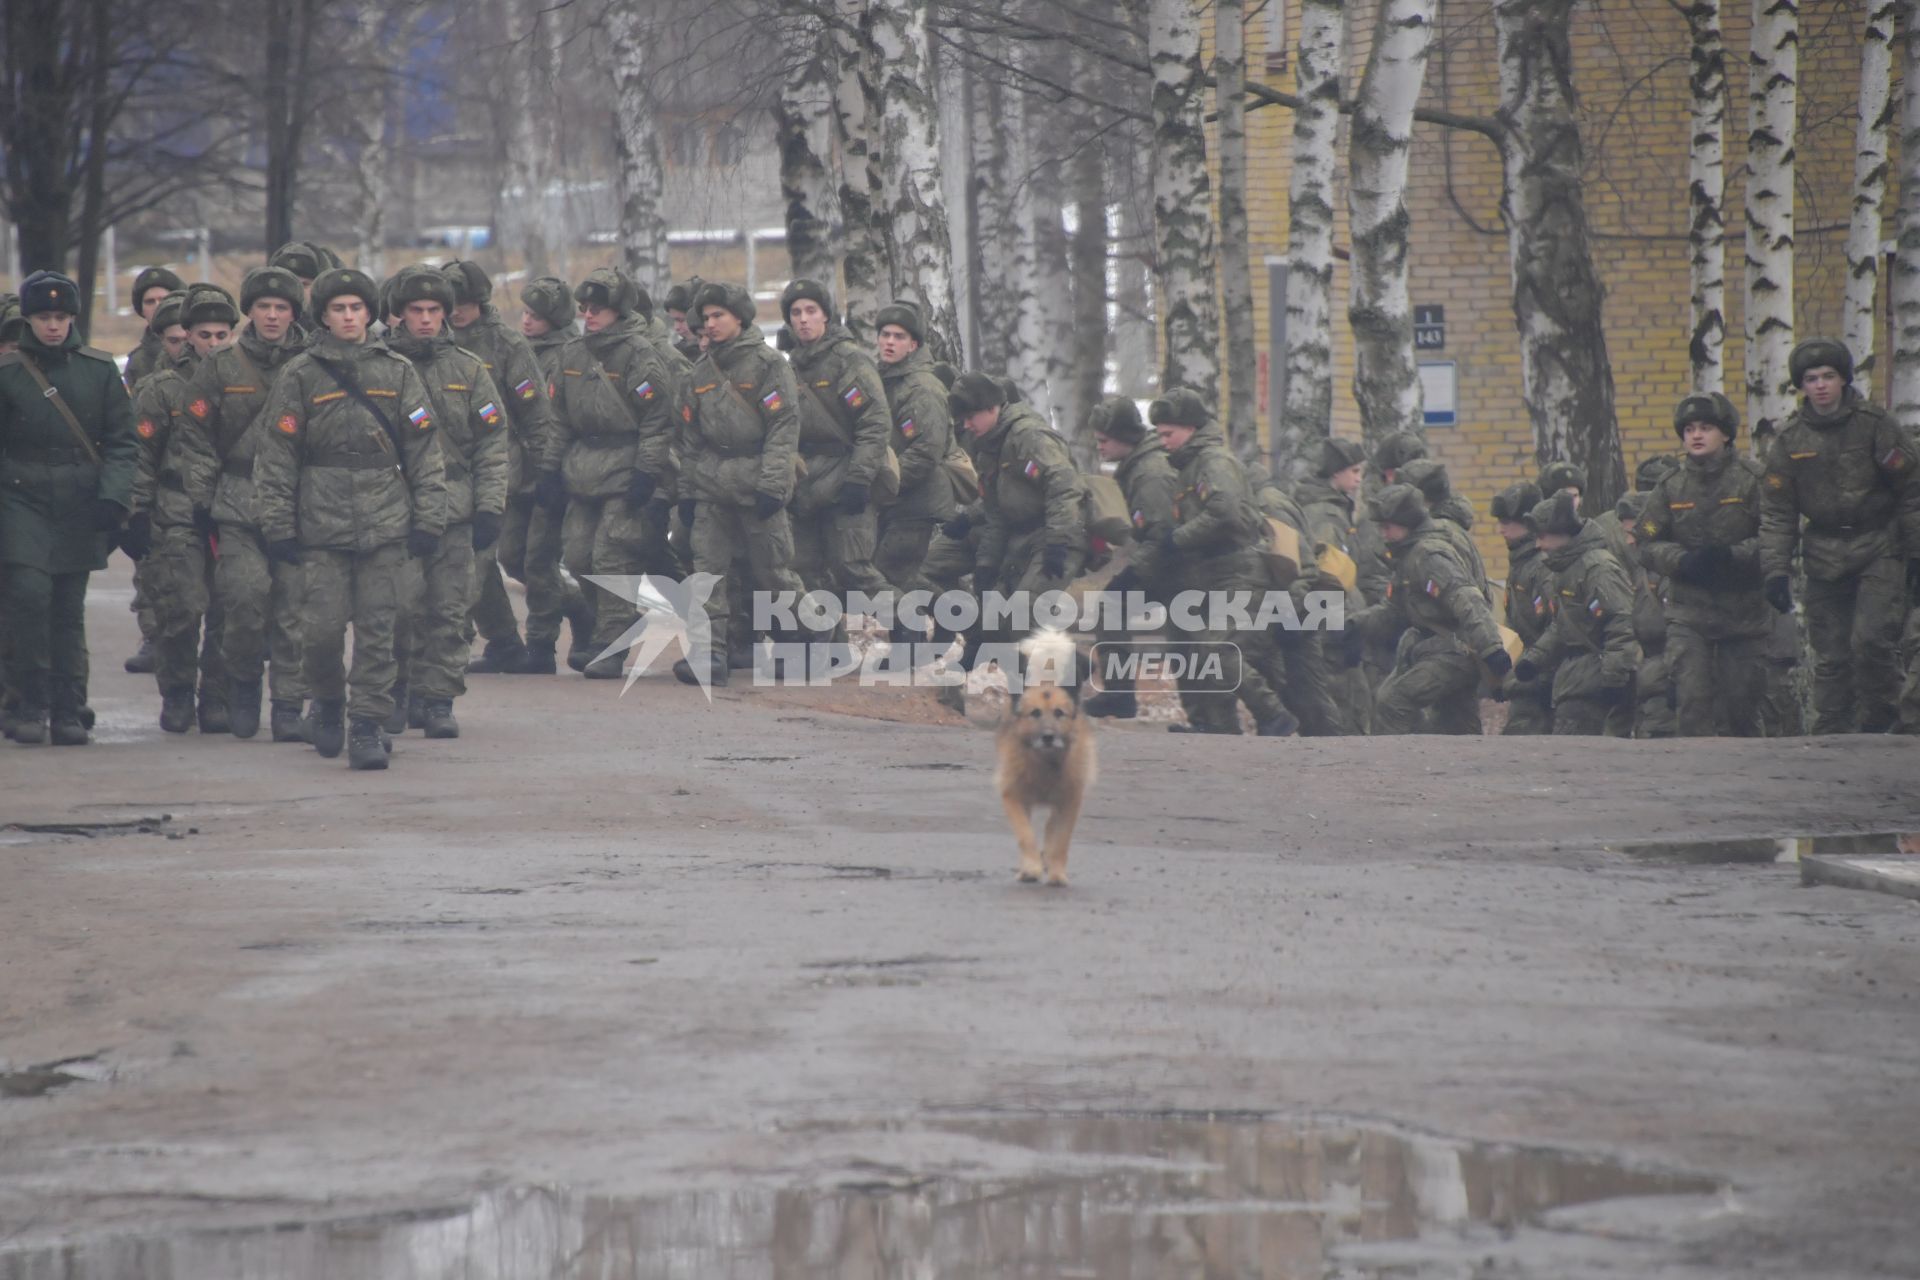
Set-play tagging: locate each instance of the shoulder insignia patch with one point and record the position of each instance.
(288, 425)
(490, 414)
(198, 408)
(1204, 490)
(1593, 607)
(420, 418)
(145, 428)
(771, 401)
(907, 428)
(1433, 588)
(1539, 606)
(854, 397)
(686, 413)
(1032, 471)
(1139, 519)
(1894, 460)
(525, 389)
(645, 390)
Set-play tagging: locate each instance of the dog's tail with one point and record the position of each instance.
(1049, 656)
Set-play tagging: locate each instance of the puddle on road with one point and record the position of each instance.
(1771, 848)
(1120, 1197)
(38, 1082)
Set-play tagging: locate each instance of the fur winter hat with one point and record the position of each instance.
(1337, 454)
(1399, 504)
(1820, 353)
(153, 278)
(1513, 503)
(1712, 407)
(272, 282)
(1118, 418)
(1179, 407)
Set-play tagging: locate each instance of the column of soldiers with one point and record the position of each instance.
(327, 452)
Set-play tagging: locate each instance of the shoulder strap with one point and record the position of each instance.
(52, 393)
(343, 377)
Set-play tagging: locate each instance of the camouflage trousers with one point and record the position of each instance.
(611, 536)
(902, 549)
(833, 551)
(1781, 715)
(429, 637)
(1653, 695)
(1853, 627)
(1212, 702)
(142, 605)
(1529, 712)
(1434, 688)
(179, 572)
(260, 615)
(46, 617)
(1310, 684)
(529, 550)
(359, 589)
(1719, 684)
(1584, 717)
(728, 540)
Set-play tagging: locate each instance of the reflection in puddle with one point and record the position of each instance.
(1117, 1198)
(1772, 848)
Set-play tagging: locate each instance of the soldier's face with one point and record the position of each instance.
(423, 319)
(1511, 531)
(151, 299)
(174, 339)
(1111, 450)
(1823, 387)
(807, 320)
(1393, 532)
(895, 343)
(1173, 435)
(594, 317)
(1626, 525)
(680, 329)
(50, 328)
(978, 424)
(722, 324)
(346, 318)
(465, 314)
(1702, 439)
(271, 317)
(1348, 479)
(533, 326)
(208, 338)
(1553, 541)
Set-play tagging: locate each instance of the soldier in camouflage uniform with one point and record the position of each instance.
(1529, 607)
(1653, 470)
(1700, 530)
(1565, 477)
(1589, 646)
(923, 432)
(1308, 681)
(170, 417)
(1848, 470)
(305, 260)
(680, 316)
(1653, 693)
(1450, 513)
(1148, 481)
(1330, 501)
(615, 403)
(845, 433)
(430, 647)
(149, 287)
(508, 356)
(348, 482)
(1447, 633)
(741, 442)
(163, 345)
(258, 598)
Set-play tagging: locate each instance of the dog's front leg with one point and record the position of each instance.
(1023, 832)
(1060, 823)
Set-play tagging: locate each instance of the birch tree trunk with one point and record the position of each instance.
(863, 259)
(803, 121)
(920, 247)
(1086, 375)
(995, 180)
(1132, 296)
(1905, 285)
(1869, 189)
(643, 227)
(1565, 375)
(1307, 414)
(1037, 269)
(1772, 91)
(1183, 201)
(1236, 254)
(1050, 357)
(1386, 381)
(1706, 198)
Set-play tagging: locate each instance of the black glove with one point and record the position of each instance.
(1053, 560)
(204, 523)
(1779, 593)
(640, 489)
(1353, 647)
(1704, 566)
(959, 527)
(286, 551)
(137, 538)
(1499, 663)
(107, 514)
(686, 513)
(486, 529)
(1167, 543)
(1614, 695)
(659, 513)
(1525, 670)
(766, 506)
(421, 544)
(550, 491)
(853, 498)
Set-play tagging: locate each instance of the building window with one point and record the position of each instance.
(683, 145)
(729, 144)
(1276, 50)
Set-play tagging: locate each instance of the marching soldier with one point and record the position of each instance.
(1590, 645)
(349, 481)
(1653, 692)
(162, 346)
(1529, 607)
(149, 287)
(1148, 480)
(1330, 501)
(923, 432)
(68, 455)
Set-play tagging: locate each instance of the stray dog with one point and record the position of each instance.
(1046, 754)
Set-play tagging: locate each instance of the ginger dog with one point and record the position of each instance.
(1046, 756)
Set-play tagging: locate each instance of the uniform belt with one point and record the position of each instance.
(240, 467)
(49, 456)
(605, 439)
(353, 461)
(1849, 530)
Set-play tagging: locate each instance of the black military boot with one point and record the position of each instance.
(1284, 725)
(611, 666)
(540, 660)
(580, 645)
(396, 721)
(718, 672)
(285, 722)
(243, 708)
(329, 726)
(213, 711)
(366, 748)
(66, 729)
(141, 663)
(29, 724)
(1116, 700)
(440, 721)
(176, 709)
(500, 657)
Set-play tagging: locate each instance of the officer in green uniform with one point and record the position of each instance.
(258, 598)
(1529, 606)
(170, 414)
(349, 481)
(1700, 530)
(1590, 645)
(68, 456)
(1147, 479)
(923, 432)
(1846, 469)
(845, 434)
(430, 649)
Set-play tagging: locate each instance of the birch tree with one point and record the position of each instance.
(863, 260)
(919, 247)
(1049, 359)
(1706, 197)
(1183, 200)
(1086, 375)
(1905, 285)
(527, 70)
(997, 178)
(803, 122)
(1386, 382)
(643, 227)
(1869, 189)
(1565, 375)
(1236, 254)
(1772, 91)
(1307, 414)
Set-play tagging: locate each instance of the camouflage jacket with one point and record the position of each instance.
(922, 433)
(235, 382)
(1711, 502)
(1433, 593)
(845, 426)
(510, 362)
(1590, 644)
(1148, 480)
(1852, 477)
(165, 404)
(470, 420)
(743, 428)
(615, 406)
(1031, 488)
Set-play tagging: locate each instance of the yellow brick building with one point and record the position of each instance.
(1631, 70)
